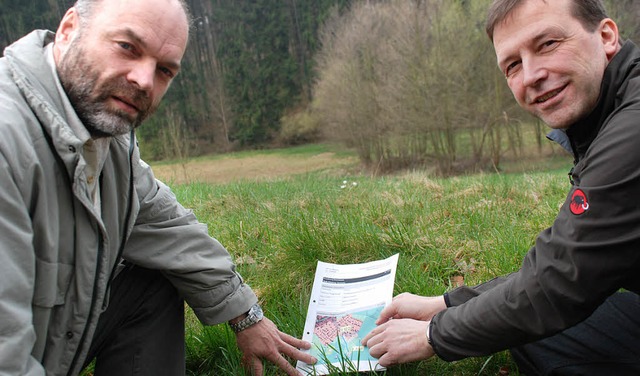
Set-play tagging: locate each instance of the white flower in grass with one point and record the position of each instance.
(346, 184)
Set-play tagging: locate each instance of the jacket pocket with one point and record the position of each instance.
(51, 283)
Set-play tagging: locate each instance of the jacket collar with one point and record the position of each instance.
(27, 60)
(583, 132)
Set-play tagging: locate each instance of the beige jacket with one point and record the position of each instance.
(57, 253)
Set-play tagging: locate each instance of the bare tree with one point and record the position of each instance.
(413, 84)
(176, 140)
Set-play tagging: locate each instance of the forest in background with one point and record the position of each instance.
(406, 83)
(248, 63)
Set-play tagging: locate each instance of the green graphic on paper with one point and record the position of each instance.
(336, 339)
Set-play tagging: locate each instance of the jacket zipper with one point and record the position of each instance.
(91, 307)
(123, 242)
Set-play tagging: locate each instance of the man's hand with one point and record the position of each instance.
(410, 306)
(399, 341)
(264, 340)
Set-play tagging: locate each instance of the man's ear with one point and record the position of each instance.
(610, 37)
(67, 31)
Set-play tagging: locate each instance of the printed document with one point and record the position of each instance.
(345, 303)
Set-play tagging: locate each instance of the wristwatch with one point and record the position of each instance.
(253, 317)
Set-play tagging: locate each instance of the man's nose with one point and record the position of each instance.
(142, 74)
(533, 72)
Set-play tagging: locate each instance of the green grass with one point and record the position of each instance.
(477, 226)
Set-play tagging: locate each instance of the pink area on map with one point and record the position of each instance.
(329, 327)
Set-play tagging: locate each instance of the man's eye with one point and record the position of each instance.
(511, 68)
(549, 44)
(166, 71)
(125, 46)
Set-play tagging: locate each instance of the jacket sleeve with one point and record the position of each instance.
(168, 237)
(17, 274)
(573, 267)
(462, 294)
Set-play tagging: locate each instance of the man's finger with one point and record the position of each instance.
(284, 364)
(373, 341)
(256, 367)
(294, 353)
(387, 313)
(251, 364)
(290, 348)
(295, 342)
(366, 338)
(290, 370)
(385, 360)
(374, 332)
(377, 350)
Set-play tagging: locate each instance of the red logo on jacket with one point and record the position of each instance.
(579, 203)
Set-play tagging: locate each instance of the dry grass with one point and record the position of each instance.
(263, 167)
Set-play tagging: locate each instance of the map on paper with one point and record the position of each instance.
(345, 303)
(339, 336)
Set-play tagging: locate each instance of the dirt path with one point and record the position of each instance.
(254, 168)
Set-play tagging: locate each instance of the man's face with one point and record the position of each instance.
(554, 67)
(117, 66)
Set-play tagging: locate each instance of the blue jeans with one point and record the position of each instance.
(606, 343)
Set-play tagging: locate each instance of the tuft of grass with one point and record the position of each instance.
(475, 227)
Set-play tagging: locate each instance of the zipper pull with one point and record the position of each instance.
(571, 176)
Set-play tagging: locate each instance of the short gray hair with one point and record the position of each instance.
(86, 9)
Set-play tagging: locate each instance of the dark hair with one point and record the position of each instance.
(588, 12)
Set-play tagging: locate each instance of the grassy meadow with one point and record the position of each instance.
(468, 228)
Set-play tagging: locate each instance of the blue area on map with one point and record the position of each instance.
(346, 351)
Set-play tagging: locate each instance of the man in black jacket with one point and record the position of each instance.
(562, 312)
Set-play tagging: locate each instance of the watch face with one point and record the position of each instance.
(256, 313)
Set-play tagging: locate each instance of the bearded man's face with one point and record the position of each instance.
(117, 63)
(107, 106)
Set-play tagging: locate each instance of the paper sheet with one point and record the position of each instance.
(345, 302)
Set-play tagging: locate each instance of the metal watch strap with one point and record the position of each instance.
(253, 317)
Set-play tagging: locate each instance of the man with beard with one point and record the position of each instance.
(97, 255)
(563, 312)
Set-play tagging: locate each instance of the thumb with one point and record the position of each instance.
(387, 313)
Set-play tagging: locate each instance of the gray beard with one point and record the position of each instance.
(89, 98)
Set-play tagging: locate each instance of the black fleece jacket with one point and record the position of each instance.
(592, 249)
